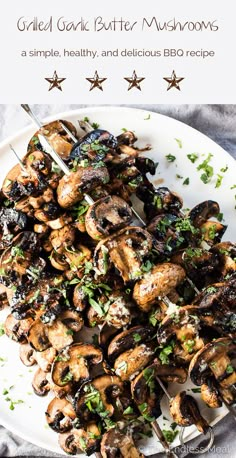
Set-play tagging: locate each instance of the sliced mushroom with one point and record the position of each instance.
(11, 222)
(73, 364)
(72, 187)
(129, 363)
(72, 320)
(42, 336)
(81, 440)
(185, 412)
(210, 395)
(107, 215)
(96, 399)
(40, 383)
(215, 359)
(118, 444)
(159, 200)
(96, 137)
(17, 329)
(212, 231)
(147, 393)
(126, 250)
(158, 282)
(45, 358)
(57, 137)
(129, 339)
(227, 255)
(27, 355)
(183, 325)
(60, 415)
(62, 238)
(203, 211)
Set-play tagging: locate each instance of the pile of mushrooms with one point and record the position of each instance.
(67, 266)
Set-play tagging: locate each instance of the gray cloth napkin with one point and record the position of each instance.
(219, 123)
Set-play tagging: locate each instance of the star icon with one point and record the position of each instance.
(173, 81)
(134, 81)
(55, 81)
(96, 82)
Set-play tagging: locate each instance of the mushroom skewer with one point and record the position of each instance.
(44, 141)
(210, 430)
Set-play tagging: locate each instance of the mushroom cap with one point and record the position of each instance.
(128, 339)
(213, 358)
(60, 415)
(118, 444)
(159, 282)
(107, 215)
(72, 363)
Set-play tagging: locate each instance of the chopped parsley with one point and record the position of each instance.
(189, 345)
(224, 169)
(95, 125)
(169, 435)
(165, 352)
(170, 158)
(144, 411)
(219, 180)
(196, 390)
(147, 118)
(147, 266)
(192, 157)
(179, 142)
(229, 369)
(186, 181)
(208, 170)
(67, 378)
(128, 411)
(136, 337)
(2, 331)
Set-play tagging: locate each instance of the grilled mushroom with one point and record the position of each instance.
(27, 355)
(73, 364)
(71, 188)
(42, 336)
(226, 252)
(107, 215)
(128, 339)
(183, 325)
(11, 222)
(118, 444)
(129, 363)
(95, 143)
(210, 395)
(81, 440)
(40, 383)
(158, 282)
(126, 250)
(159, 200)
(185, 412)
(17, 329)
(45, 358)
(57, 137)
(96, 399)
(203, 211)
(60, 415)
(215, 359)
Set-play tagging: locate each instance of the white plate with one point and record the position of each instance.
(167, 136)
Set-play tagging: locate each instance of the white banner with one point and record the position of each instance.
(103, 52)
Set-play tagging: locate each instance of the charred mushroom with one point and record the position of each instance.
(185, 412)
(73, 364)
(118, 444)
(107, 215)
(158, 282)
(60, 415)
(81, 440)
